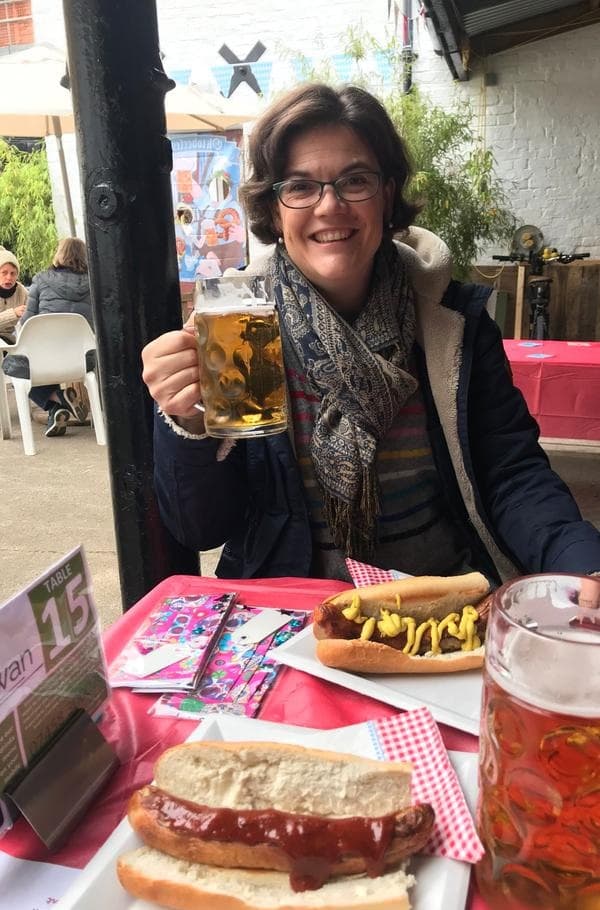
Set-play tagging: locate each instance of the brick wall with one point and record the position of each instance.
(16, 23)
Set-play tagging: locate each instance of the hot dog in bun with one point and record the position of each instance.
(251, 826)
(426, 624)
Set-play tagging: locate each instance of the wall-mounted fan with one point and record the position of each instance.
(527, 240)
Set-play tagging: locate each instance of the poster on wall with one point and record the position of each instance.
(210, 227)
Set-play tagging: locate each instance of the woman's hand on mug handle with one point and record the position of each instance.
(172, 375)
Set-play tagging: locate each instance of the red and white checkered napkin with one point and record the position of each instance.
(414, 737)
(362, 574)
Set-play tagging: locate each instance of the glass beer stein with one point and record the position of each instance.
(242, 375)
(539, 799)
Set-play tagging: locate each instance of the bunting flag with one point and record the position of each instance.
(222, 76)
(181, 77)
(258, 74)
(262, 71)
(302, 66)
(343, 66)
(384, 67)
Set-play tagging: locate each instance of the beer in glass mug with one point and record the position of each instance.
(539, 798)
(242, 376)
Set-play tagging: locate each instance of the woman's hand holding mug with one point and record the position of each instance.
(171, 373)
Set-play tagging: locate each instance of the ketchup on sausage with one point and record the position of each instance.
(312, 843)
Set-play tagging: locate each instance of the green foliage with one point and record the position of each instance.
(464, 201)
(26, 213)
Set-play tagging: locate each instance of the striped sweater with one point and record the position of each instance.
(414, 530)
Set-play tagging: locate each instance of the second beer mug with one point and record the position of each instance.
(241, 364)
(539, 799)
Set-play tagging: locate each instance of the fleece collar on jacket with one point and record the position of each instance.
(440, 332)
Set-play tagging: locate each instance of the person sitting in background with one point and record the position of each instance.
(13, 295)
(409, 445)
(63, 288)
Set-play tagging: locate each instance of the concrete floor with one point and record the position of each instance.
(61, 498)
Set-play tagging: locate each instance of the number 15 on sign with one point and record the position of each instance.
(62, 606)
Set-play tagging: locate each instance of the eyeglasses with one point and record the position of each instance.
(300, 193)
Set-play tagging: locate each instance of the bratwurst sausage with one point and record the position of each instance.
(312, 848)
(426, 624)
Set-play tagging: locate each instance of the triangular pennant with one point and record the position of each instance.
(222, 76)
(262, 71)
(343, 66)
(181, 77)
(302, 66)
(384, 67)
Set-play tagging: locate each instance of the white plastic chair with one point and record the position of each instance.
(55, 344)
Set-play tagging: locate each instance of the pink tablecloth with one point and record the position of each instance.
(139, 738)
(560, 381)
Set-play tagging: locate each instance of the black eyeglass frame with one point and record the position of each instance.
(277, 188)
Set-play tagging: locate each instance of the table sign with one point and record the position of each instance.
(53, 681)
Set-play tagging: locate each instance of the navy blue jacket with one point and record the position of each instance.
(253, 501)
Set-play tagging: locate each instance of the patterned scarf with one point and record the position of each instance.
(359, 373)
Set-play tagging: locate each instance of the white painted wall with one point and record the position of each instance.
(541, 120)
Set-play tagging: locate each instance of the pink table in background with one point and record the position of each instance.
(560, 381)
(139, 738)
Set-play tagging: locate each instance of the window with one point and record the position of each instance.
(16, 23)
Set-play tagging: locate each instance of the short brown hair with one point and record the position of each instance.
(306, 107)
(71, 254)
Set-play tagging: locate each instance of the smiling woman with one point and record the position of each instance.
(333, 229)
(409, 446)
(333, 239)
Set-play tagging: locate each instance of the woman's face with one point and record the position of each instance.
(8, 276)
(333, 242)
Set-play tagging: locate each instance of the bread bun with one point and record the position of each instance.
(150, 875)
(359, 656)
(290, 778)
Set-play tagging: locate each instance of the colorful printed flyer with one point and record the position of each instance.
(238, 674)
(172, 647)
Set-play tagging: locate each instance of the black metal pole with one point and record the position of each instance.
(118, 86)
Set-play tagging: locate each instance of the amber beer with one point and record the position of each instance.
(241, 368)
(539, 801)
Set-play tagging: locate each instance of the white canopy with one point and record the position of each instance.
(33, 102)
(31, 93)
